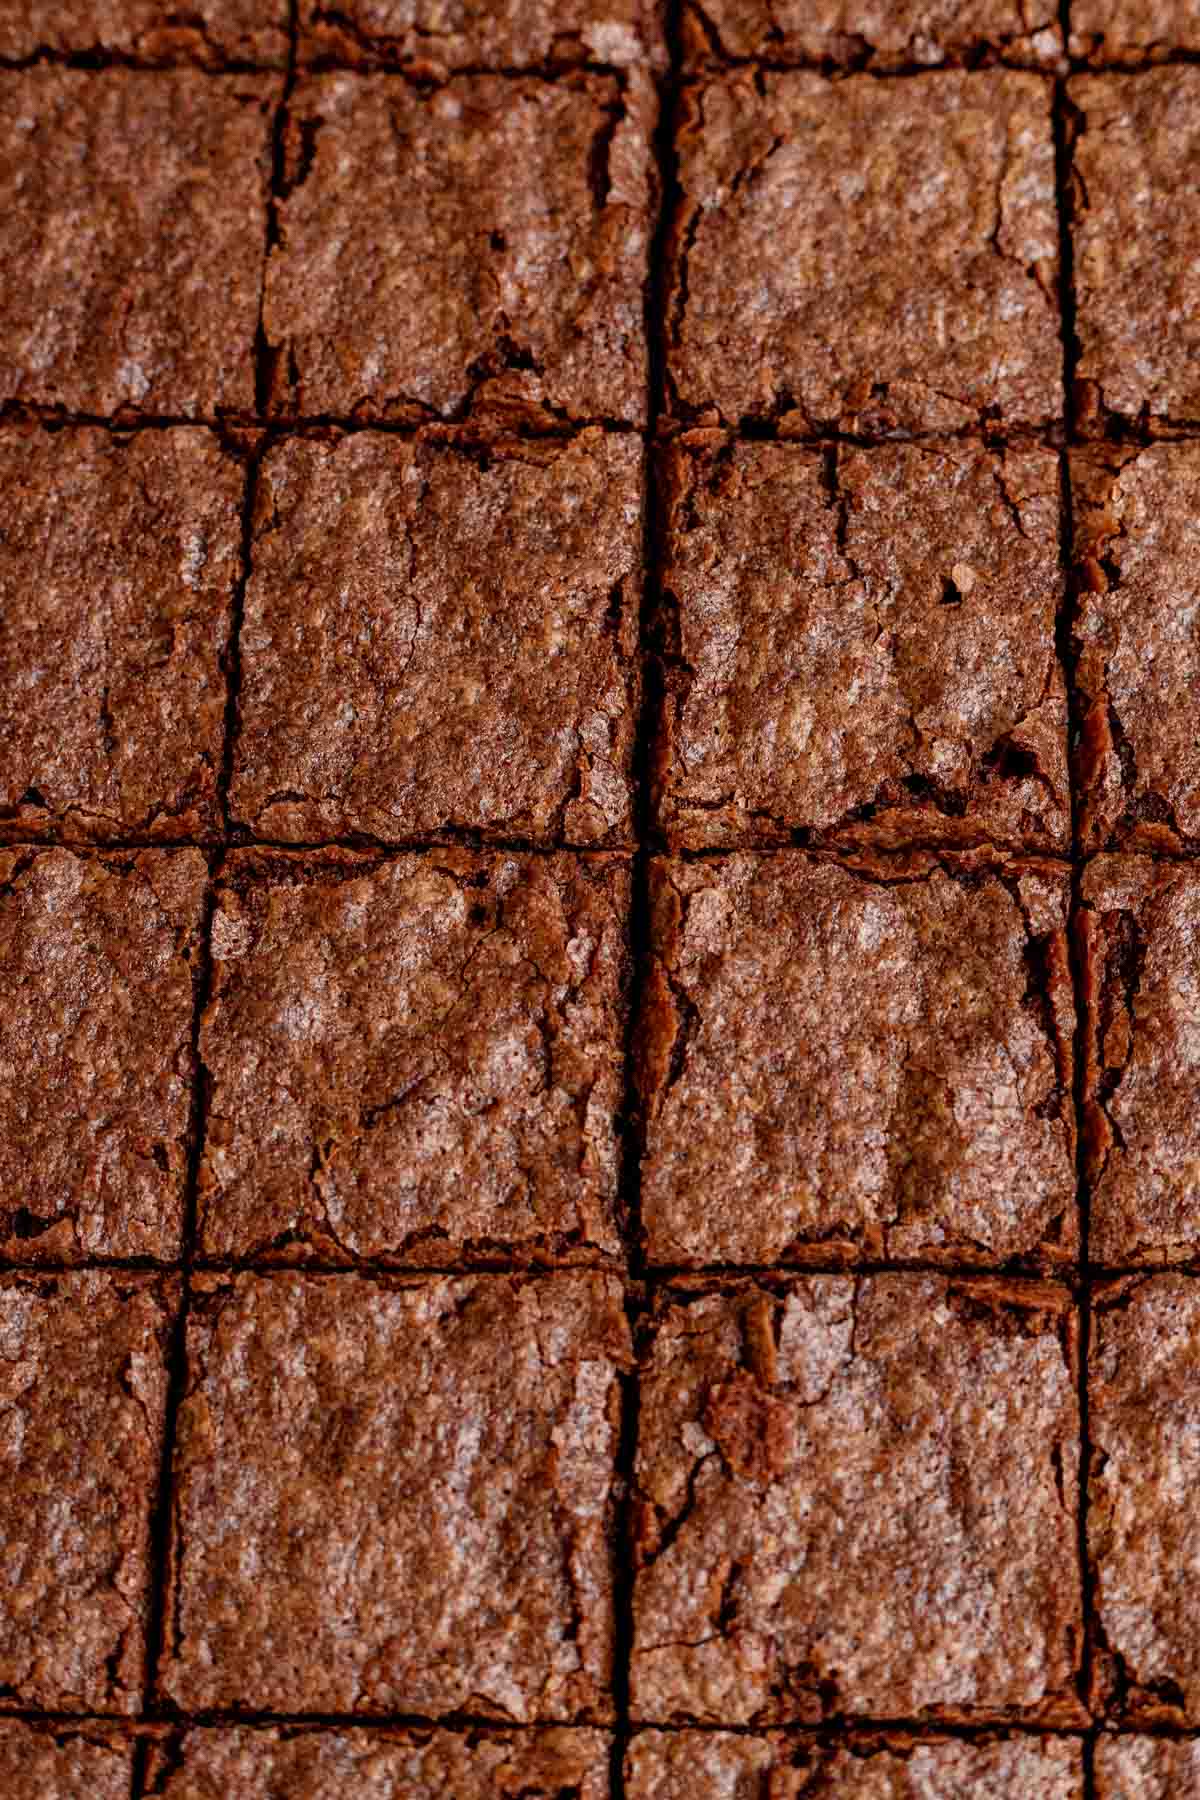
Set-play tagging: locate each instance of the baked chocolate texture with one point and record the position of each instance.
(1147, 1768)
(398, 1496)
(62, 1762)
(1142, 1531)
(83, 1387)
(811, 300)
(134, 204)
(857, 1497)
(1124, 33)
(877, 34)
(438, 639)
(510, 283)
(212, 33)
(1134, 231)
(118, 566)
(565, 1764)
(417, 1061)
(432, 38)
(859, 646)
(869, 1060)
(99, 959)
(1140, 956)
(679, 1765)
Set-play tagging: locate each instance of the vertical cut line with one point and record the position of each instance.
(276, 193)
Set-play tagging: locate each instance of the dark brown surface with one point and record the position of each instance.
(433, 642)
(82, 1393)
(1147, 1768)
(1134, 231)
(861, 644)
(118, 563)
(134, 205)
(398, 1497)
(511, 277)
(210, 32)
(1137, 663)
(878, 34)
(377, 1765)
(58, 1762)
(857, 1497)
(1140, 954)
(1143, 1535)
(431, 37)
(845, 1063)
(419, 1061)
(811, 297)
(1128, 32)
(94, 1099)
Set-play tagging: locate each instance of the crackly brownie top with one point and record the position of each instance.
(419, 1060)
(1141, 969)
(118, 562)
(82, 1392)
(437, 640)
(60, 1762)
(867, 255)
(1134, 231)
(871, 1060)
(434, 36)
(511, 276)
(94, 1103)
(1147, 1768)
(1137, 661)
(857, 1497)
(678, 1765)
(880, 34)
(211, 32)
(393, 1765)
(861, 644)
(134, 204)
(397, 1497)
(1143, 1534)
(1119, 32)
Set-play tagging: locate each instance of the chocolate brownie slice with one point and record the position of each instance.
(213, 33)
(876, 34)
(678, 1765)
(57, 1762)
(1147, 1768)
(433, 37)
(1123, 33)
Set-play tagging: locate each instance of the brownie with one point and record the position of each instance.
(1140, 957)
(868, 1060)
(804, 293)
(432, 37)
(567, 1764)
(1134, 232)
(857, 1497)
(1127, 32)
(135, 206)
(1137, 578)
(481, 248)
(1143, 1537)
(878, 34)
(83, 1385)
(94, 1100)
(59, 1762)
(439, 641)
(679, 1765)
(118, 565)
(859, 646)
(1147, 1768)
(397, 1496)
(415, 1061)
(213, 33)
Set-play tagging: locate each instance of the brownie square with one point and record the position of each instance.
(431, 37)
(871, 1060)
(53, 1762)
(1143, 1536)
(213, 33)
(866, 256)
(857, 1497)
(135, 206)
(859, 646)
(568, 1764)
(876, 34)
(1134, 230)
(1124, 33)
(398, 1497)
(417, 1061)
(479, 248)
(437, 640)
(1147, 1768)
(1137, 578)
(83, 1386)
(1140, 955)
(678, 1765)
(97, 960)
(118, 565)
